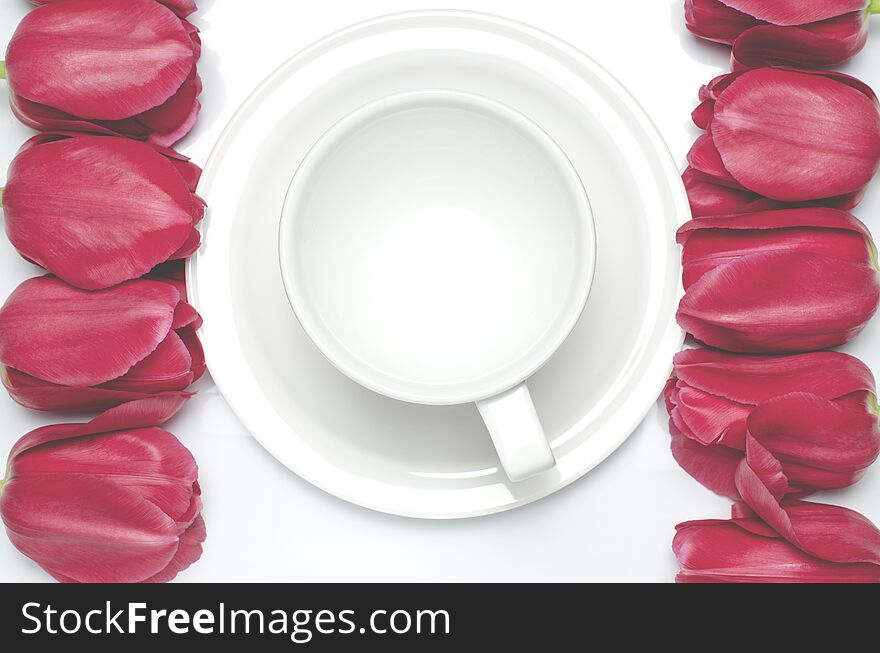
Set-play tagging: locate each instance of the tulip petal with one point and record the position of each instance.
(758, 304)
(795, 12)
(88, 529)
(119, 59)
(167, 368)
(170, 138)
(714, 466)
(72, 337)
(176, 109)
(702, 115)
(40, 117)
(769, 45)
(829, 532)
(817, 434)
(779, 132)
(710, 242)
(150, 461)
(711, 419)
(705, 158)
(723, 551)
(756, 379)
(35, 394)
(114, 209)
(140, 414)
(708, 198)
(189, 246)
(716, 21)
(194, 345)
(188, 552)
(182, 8)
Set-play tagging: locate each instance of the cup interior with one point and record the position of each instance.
(437, 246)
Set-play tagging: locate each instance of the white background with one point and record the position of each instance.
(266, 524)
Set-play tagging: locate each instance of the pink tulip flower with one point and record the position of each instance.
(68, 349)
(114, 500)
(785, 281)
(830, 533)
(99, 210)
(711, 393)
(789, 136)
(820, 444)
(801, 33)
(182, 8)
(103, 66)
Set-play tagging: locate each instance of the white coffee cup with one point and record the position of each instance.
(438, 247)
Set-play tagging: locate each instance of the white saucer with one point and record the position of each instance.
(438, 461)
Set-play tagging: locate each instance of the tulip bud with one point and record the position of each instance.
(820, 444)
(831, 533)
(182, 8)
(99, 210)
(790, 136)
(711, 394)
(108, 67)
(779, 281)
(807, 33)
(73, 350)
(113, 500)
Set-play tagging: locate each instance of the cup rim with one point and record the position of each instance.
(360, 117)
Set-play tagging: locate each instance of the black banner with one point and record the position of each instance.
(426, 617)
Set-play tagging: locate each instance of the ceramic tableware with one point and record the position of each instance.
(413, 459)
(438, 247)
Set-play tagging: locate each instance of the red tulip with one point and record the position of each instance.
(99, 210)
(711, 394)
(804, 33)
(778, 281)
(831, 533)
(820, 444)
(74, 350)
(125, 68)
(748, 551)
(113, 500)
(182, 8)
(790, 136)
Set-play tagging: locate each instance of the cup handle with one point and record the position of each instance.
(517, 433)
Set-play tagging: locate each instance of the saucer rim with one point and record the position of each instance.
(669, 336)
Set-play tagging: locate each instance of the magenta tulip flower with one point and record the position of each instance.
(830, 533)
(114, 500)
(99, 210)
(73, 350)
(800, 33)
(786, 281)
(711, 394)
(820, 444)
(182, 8)
(103, 66)
(789, 136)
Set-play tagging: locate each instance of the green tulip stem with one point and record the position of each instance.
(1, 197)
(874, 7)
(3, 63)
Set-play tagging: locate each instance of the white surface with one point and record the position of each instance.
(435, 461)
(437, 246)
(266, 524)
